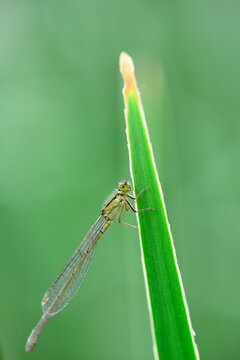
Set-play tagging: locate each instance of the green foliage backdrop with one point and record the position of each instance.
(63, 149)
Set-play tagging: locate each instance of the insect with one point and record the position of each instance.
(68, 281)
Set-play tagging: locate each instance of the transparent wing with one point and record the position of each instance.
(54, 294)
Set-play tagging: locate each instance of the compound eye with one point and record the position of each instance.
(121, 185)
(124, 186)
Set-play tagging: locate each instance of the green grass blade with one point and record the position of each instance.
(171, 327)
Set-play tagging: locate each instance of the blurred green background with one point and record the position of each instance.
(63, 150)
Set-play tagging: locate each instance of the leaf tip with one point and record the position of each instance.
(127, 71)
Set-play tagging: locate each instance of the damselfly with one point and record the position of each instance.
(68, 281)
